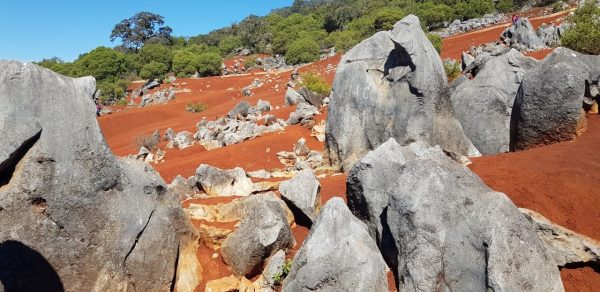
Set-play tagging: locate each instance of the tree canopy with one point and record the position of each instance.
(135, 31)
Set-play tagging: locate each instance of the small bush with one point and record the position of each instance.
(304, 50)
(453, 69)
(279, 277)
(209, 64)
(557, 7)
(146, 141)
(196, 107)
(436, 41)
(315, 83)
(121, 102)
(250, 62)
(584, 36)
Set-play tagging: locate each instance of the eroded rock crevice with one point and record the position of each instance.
(8, 167)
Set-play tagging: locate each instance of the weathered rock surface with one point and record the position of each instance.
(442, 228)
(565, 246)
(218, 182)
(548, 107)
(240, 110)
(301, 193)
(273, 267)
(391, 85)
(263, 231)
(79, 217)
(522, 36)
(292, 97)
(484, 104)
(338, 255)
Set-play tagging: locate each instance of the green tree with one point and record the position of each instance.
(343, 40)
(505, 6)
(432, 15)
(229, 43)
(57, 65)
(105, 64)
(135, 31)
(584, 36)
(155, 53)
(153, 70)
(304, 50)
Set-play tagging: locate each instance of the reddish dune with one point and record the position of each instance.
(454, 46)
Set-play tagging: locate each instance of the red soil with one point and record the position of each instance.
(559, 181)
(454, 46)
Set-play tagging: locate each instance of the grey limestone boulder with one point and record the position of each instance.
(263, 231)
(292, 97)
(440, 228)
(392, 84)
(548, 108)
(240, 110)
(73, 214)
(522, 35)
(219, 182)
(484, 104)
(302, 195)
(338, 255)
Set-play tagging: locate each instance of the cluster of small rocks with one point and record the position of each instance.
(276, 62)
(301, 158)
(159, 97)
(240, 124)
(257, 83)
(458, 26)
(238, 67)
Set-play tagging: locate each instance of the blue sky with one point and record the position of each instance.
(35, 29)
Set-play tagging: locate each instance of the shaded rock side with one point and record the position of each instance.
(338, 255)
(95, 222)
(392, 84)
(484, 104)
(549, 105)
(219, 182)
(302, 194)
(441, 229)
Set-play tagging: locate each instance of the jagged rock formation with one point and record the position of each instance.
(522, 36)
(441, 229)
(548, 107)
(301, 193)
(391, 85)
(86, 220)
(484, 104)
(338, 255)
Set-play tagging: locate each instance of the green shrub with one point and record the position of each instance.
(584, 36)
(432, 15)
(303, 51)
(153, 70)
(285, 270)
(343, 40)
(184, 63)
(473, 8)
(315, 83)
(229, 43)
(250, 62)
(505, 6)
(453, 69)
(121, 102)
(195, 107)
(436, 41)
(111, 91)
(209, 63)
(155, 53)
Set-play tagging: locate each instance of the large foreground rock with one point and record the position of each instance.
(484, 104)
(441, 229)
(392, 85)
(548, 107)
(338, 255)
(73, 216)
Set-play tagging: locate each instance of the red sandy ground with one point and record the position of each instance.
(453, 46)
(559, 181)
